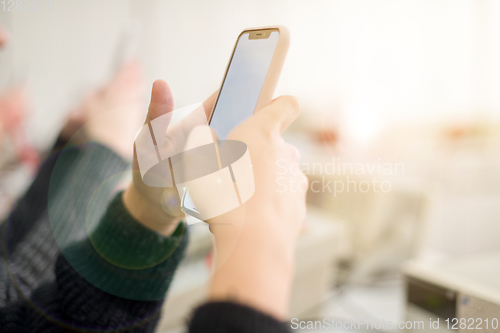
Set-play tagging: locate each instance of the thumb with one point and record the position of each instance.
(162, 101)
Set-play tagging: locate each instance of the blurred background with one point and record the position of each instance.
(381, 82)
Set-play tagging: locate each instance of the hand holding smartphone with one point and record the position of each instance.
(249, 83)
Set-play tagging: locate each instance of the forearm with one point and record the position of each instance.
(123, 266)
(116, 279)
(255, 275)
(126, 259)
(30, 250)
(254, 265)
(73, 304)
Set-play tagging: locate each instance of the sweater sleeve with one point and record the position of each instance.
(29, 249)
(116, 285)
(229, 317)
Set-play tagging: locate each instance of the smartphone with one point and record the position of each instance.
(249, 83)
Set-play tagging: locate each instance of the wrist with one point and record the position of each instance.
(254, 270)
(255, 281)
(150, 215)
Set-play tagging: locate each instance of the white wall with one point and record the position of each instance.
(377, 62)
(60, 55)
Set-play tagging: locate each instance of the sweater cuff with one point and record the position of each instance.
(227, 317)
(126, 243)
(126, 259)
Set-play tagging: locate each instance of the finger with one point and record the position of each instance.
(129, 69)
(209, 103)
(280, 113)
(133, 74)
(162, 101)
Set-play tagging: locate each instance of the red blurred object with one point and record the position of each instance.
(13, 109)
(4, 36)
(209, 259)
(13, 106)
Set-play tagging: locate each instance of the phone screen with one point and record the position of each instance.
(242, 85)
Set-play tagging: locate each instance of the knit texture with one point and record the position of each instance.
(40, 291)
(229, 317)
(123, 270)
(73, 303)
(125, 259)
(28, 248)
